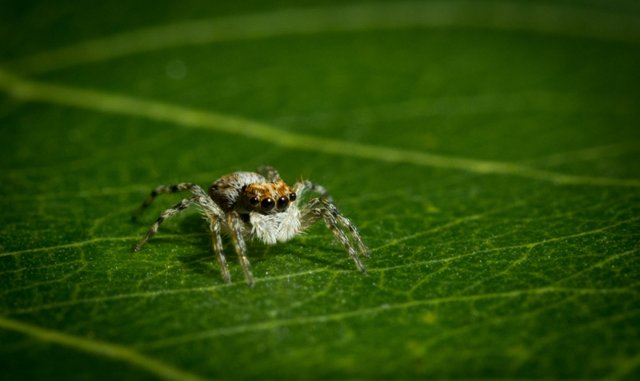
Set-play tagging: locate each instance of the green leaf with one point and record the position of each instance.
(488, 152)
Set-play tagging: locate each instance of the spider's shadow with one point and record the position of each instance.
(310, 253)
(193, 225)
(203, 261)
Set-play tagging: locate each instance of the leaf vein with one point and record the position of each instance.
(339, 316)
(539, 18)
(99, 348)
(193, 118)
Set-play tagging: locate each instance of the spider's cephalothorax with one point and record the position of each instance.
(258, 205)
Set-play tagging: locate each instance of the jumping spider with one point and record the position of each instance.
(258, 205)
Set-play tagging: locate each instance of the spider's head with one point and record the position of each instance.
(267, 197)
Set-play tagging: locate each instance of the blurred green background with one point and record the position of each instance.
(488, 151)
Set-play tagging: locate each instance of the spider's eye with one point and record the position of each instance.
(268, 204)
(283, 202)
(254, 201)
(292, 196)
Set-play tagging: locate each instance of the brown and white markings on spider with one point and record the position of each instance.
(261, 206)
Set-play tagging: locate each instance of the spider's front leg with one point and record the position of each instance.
(334, 220)
(235, 227)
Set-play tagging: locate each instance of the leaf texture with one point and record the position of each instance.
(486, 150)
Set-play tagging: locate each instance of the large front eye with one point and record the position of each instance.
(254, 201)
(283, 202)
(267, 204)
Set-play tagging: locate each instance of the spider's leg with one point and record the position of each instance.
(209, 208)
(182, 205)
(355, 234)
(161, 189)
(322, 208)
(303, 186)
(269, 172)
(216, 243)
(235, 227)
(325, 198)
(215, 216)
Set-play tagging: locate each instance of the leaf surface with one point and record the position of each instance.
(486, 150)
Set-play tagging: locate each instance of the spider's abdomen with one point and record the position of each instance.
(226, 190)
